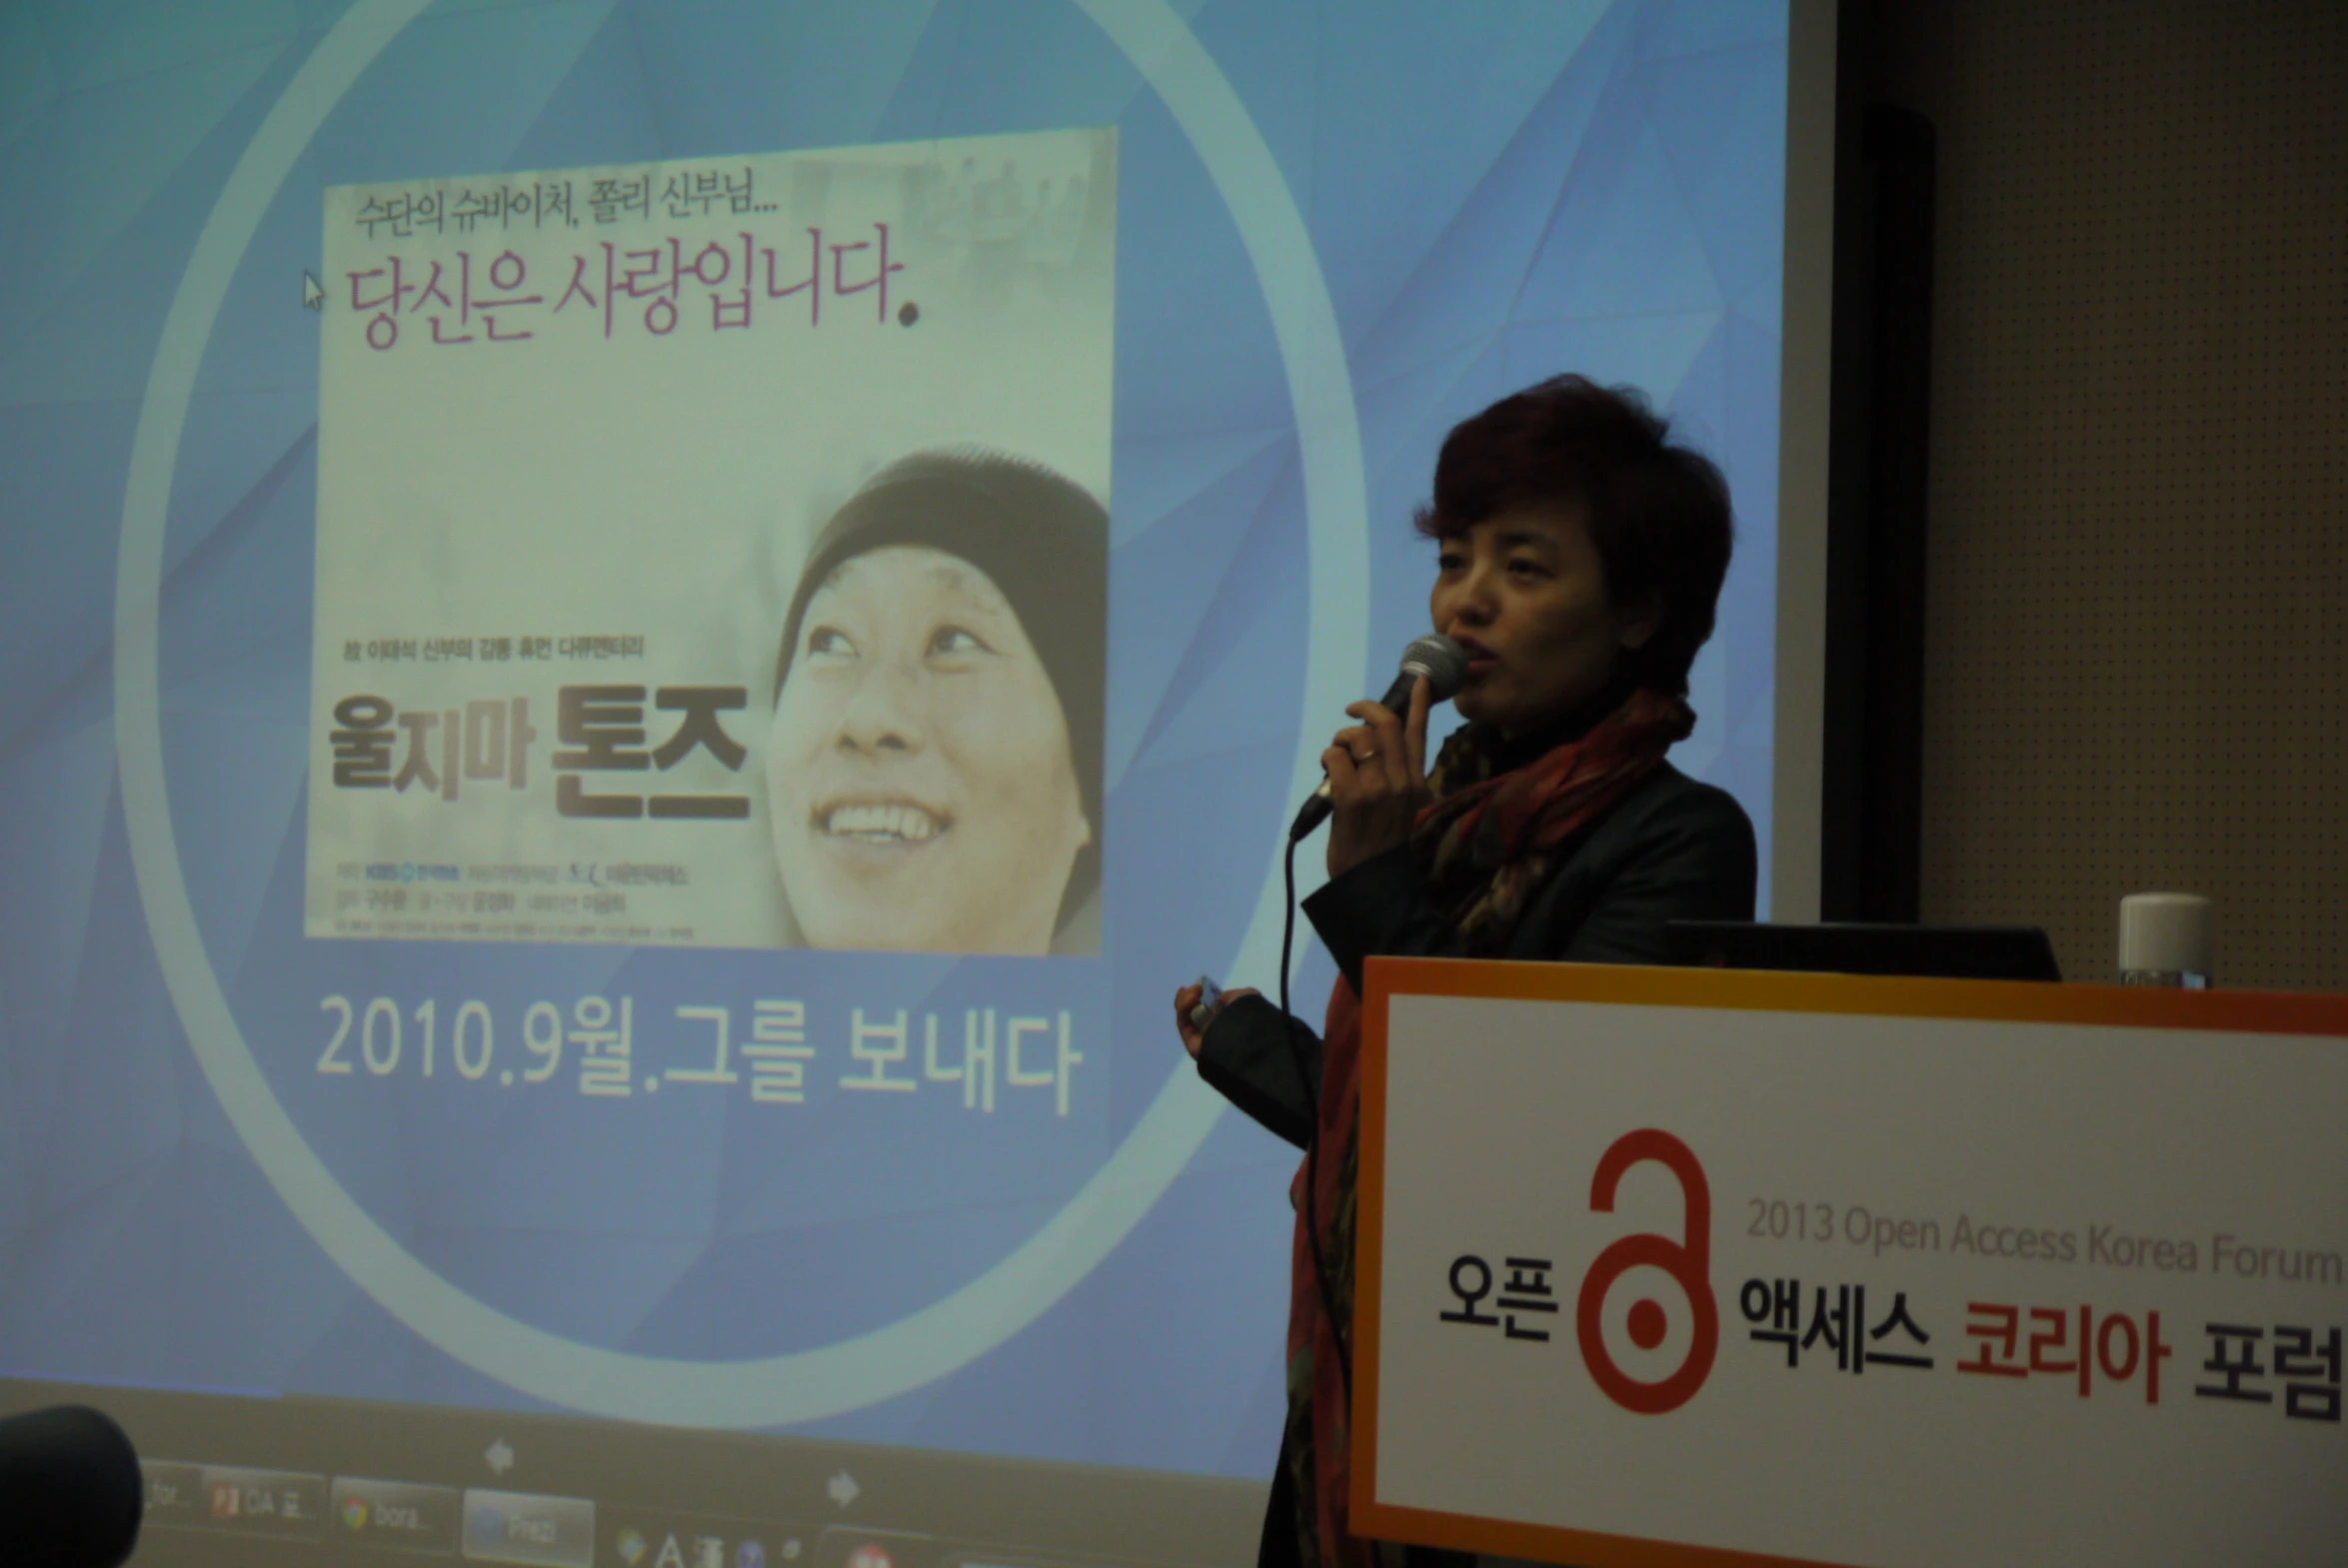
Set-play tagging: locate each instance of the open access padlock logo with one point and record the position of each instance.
(1686, 1260)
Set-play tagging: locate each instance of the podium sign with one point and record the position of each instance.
(1680, 1268)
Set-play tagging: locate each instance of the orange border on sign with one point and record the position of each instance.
(2144, 1008)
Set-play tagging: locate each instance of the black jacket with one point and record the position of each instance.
(1673, 850)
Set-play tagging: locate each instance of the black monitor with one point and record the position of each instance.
(1956, 952)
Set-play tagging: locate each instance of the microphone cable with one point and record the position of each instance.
(1328, 1297)
(1442, 662)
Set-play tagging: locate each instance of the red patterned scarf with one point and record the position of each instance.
(1485, 847)
(1491, 839)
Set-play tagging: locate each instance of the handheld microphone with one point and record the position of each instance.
(1437, 657)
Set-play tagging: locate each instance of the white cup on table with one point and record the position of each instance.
(2166, 940)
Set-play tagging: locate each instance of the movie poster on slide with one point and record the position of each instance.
(713, 552)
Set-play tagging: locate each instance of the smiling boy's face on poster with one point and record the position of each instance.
(919, 776)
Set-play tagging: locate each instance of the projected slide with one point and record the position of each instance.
(641, 638)
(674, 512)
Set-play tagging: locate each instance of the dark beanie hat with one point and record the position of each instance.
(1040, 537)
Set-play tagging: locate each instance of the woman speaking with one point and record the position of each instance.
(1578, 558)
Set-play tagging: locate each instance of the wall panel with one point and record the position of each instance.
(2139, 494)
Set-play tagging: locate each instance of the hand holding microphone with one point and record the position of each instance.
(1377, 784)
(1378, 769)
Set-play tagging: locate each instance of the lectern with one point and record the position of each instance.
(1668, 1267)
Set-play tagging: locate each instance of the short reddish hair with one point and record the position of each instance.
(1657, 512)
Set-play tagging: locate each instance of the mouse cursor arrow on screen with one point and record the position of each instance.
(313, 296)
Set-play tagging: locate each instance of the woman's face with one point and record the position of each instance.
(1525, 591)
(917, 769)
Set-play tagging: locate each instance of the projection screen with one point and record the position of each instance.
(486, 1077)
